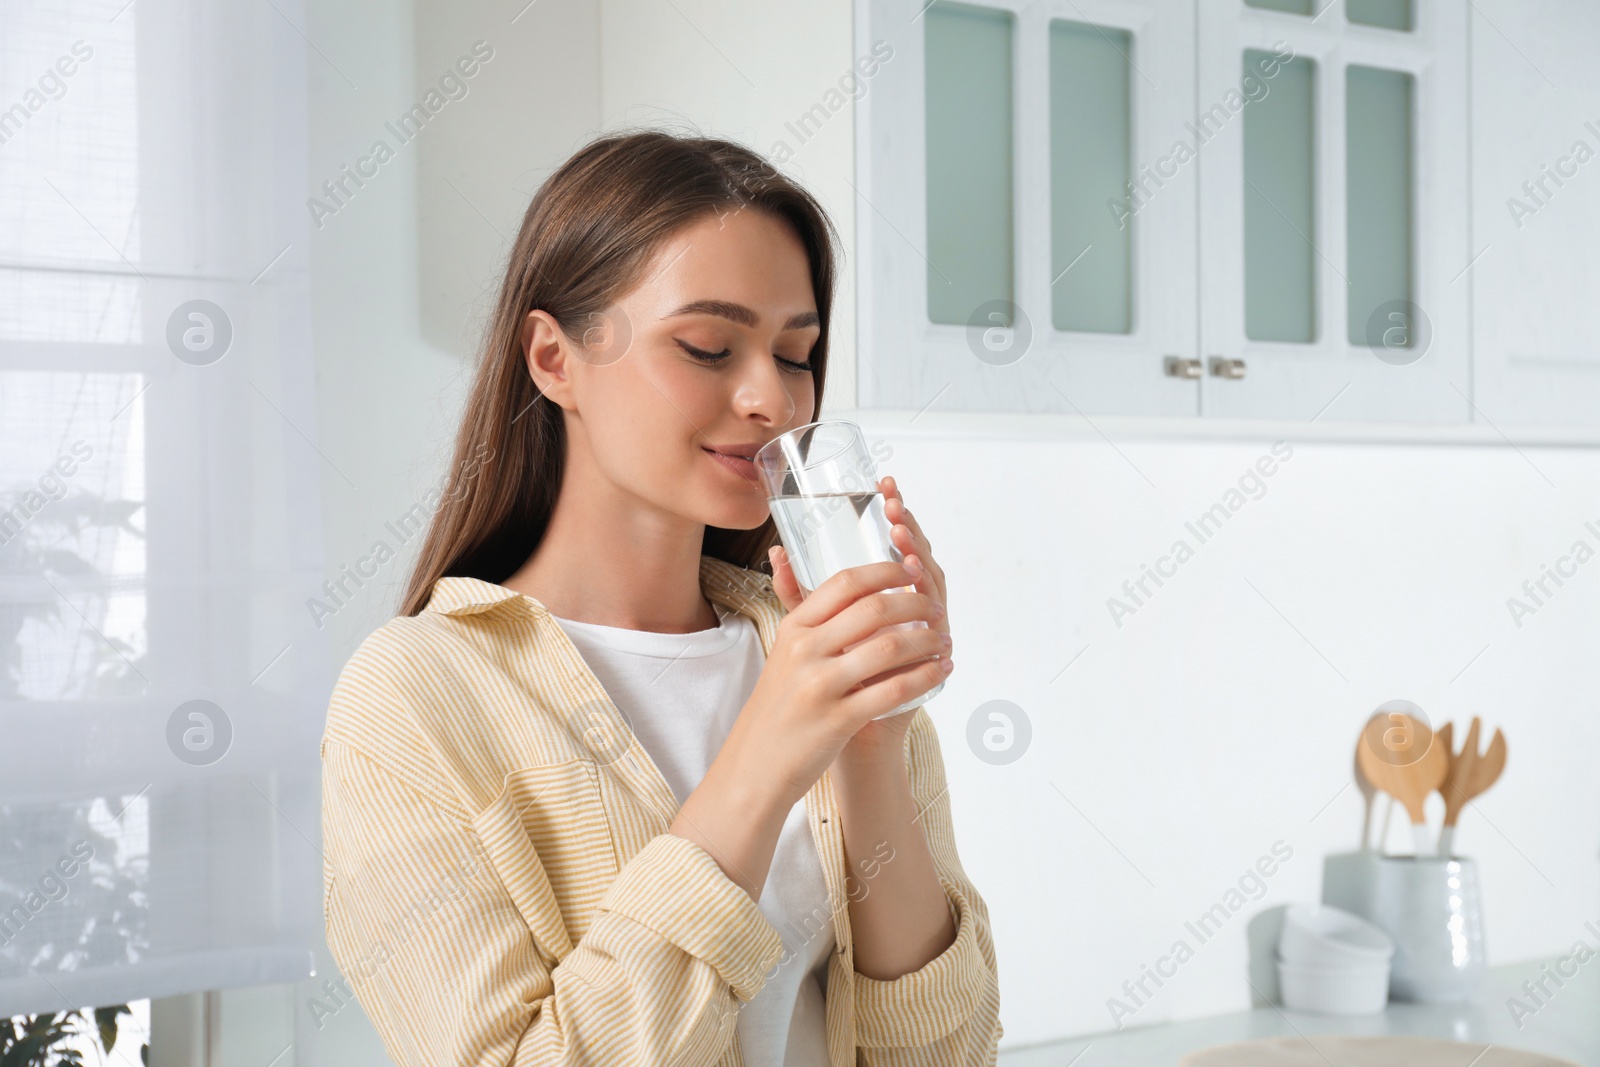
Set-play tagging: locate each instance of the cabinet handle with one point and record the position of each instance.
(1227, 368)
(1178, 367)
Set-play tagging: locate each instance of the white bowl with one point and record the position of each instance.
(1353, 989)
(1319, 935)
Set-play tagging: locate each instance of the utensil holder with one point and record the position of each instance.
(1432, 907)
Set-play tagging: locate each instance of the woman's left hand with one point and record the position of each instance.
(880, 739)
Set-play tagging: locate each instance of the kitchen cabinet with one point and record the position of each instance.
(1536, 211)
(1333, 211)
(1012, 272)
(1226, 209)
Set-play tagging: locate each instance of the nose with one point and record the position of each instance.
(761, 391)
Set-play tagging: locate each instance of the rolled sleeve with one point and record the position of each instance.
(707, 915)
(931, 1002)
(947, 1011)
(446, 967)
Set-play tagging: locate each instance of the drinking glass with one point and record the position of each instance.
(822, 487)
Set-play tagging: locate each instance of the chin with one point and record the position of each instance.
(738, 515)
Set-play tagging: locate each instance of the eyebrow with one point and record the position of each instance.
(742, 315)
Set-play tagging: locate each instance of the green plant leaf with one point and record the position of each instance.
(105, 1020)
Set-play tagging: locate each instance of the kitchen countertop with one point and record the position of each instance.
(1568, 1025)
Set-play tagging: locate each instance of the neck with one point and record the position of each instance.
(613, 559)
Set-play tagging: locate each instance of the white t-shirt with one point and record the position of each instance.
(682, 693)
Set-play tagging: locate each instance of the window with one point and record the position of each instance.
(157, 509)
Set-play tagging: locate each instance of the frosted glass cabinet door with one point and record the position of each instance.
(1280, 185)
(1028, 229)
(1380, 224)
(1091, 135)
(969, 166)
(1388, 14)
(1293, 7)
(1327, 252)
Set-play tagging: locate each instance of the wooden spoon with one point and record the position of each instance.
(1369, 792)
(1445, 738)
(1398, 755)
(1469, 775)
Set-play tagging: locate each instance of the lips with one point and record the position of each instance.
(739, 465)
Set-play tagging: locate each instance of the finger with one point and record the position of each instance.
(912, 544)
(904, 517)
(897, 512)
(930, 581)
(888, 652)
(928, 586)
(848, 586)
(867, 616)
(911, 552)
(894, 501)
(895, 506)
(871, 701)
(784, 583)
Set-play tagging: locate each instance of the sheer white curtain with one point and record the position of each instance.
(162, 684)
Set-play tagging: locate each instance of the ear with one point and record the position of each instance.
(545, 351)
(784, 582)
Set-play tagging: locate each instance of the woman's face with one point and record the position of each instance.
(708, 352)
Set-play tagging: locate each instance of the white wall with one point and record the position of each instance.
(749, 72)
(400, 274)
(409, 264)
(530, 107)
(1218, 719)
(1222, 716)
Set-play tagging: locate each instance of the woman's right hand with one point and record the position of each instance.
(811, 698)
(830, 672)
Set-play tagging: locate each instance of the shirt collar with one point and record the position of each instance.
(456, 595)
(737, 588)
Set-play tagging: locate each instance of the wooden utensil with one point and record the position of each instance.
(1398, 755)
(1369, 792)
(1388, 817)
(1468, 776)
(1445, 737)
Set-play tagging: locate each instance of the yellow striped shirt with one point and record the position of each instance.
(500, 886)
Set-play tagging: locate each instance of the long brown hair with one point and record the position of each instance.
(589, 234)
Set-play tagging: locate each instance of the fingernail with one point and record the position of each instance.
(946, 665)
(938, 610)
(912, 568)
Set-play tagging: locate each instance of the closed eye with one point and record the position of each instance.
(714, 358)
(701, 354)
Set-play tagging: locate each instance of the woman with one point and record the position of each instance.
(605, 792)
